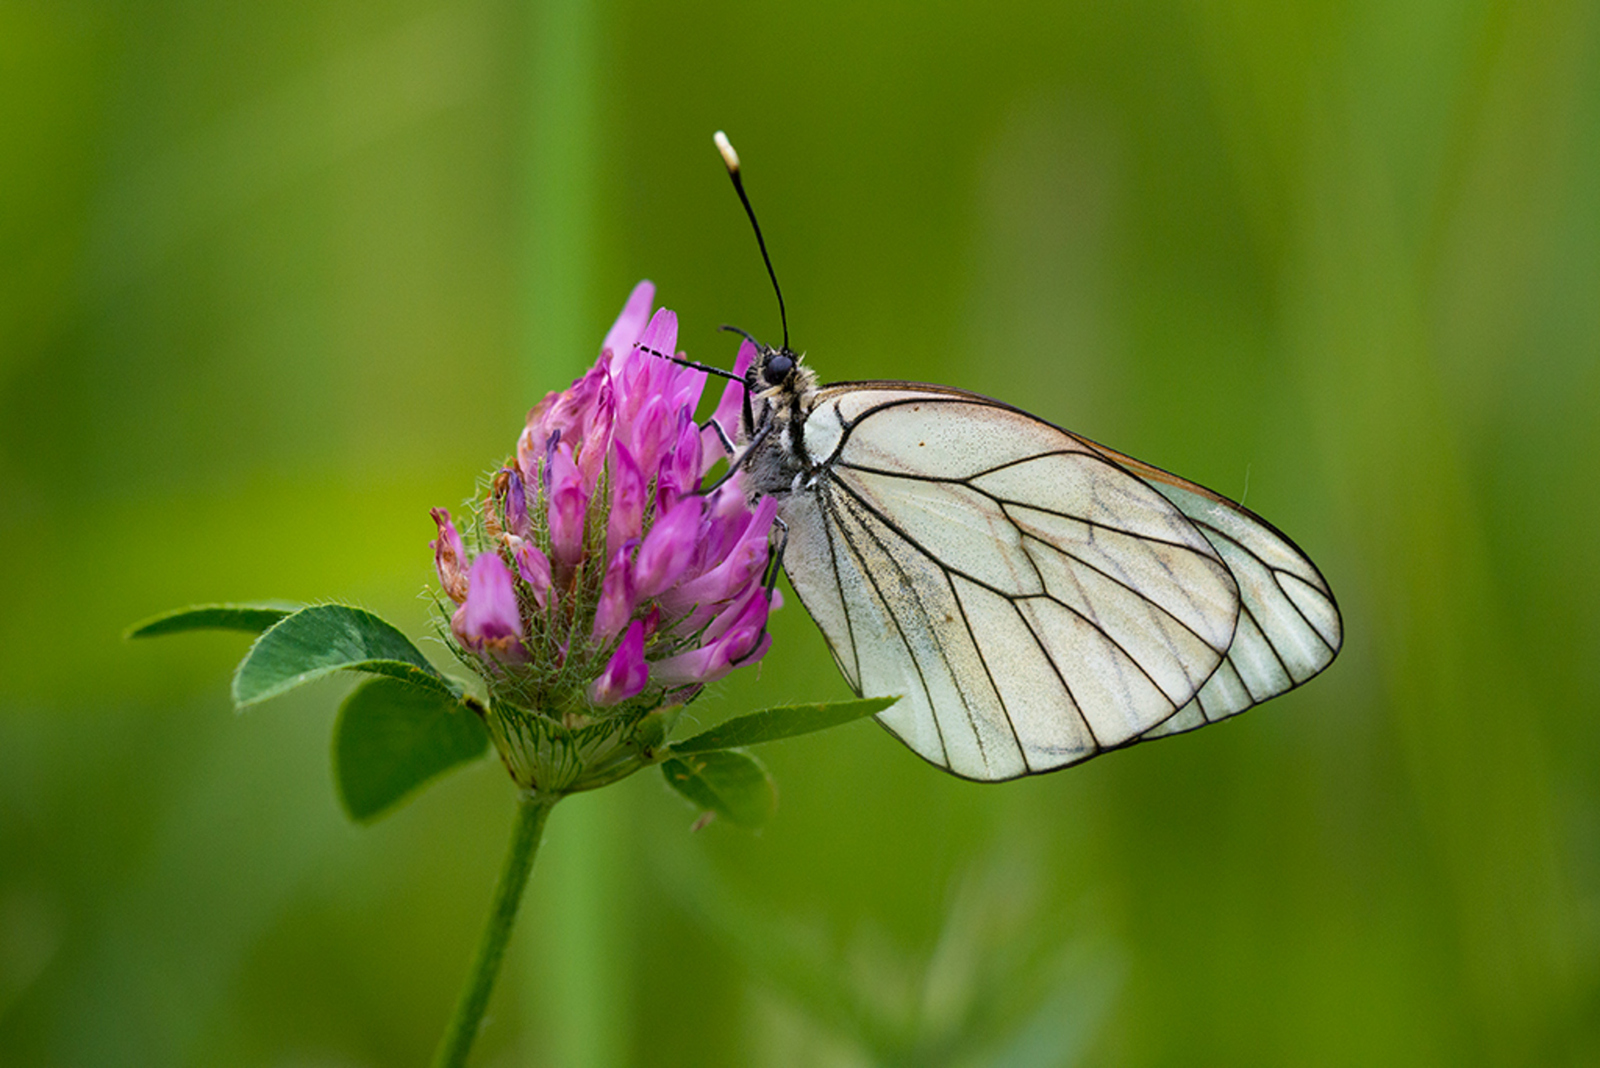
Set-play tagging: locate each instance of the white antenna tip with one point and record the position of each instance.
(729, 156)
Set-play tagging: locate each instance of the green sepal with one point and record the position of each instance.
(728, 782)
(650, 733)
(392, 737)
(252, 617)
(325, 638)
(785, 721)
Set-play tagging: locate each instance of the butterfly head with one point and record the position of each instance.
(777, 372)
(777, 367)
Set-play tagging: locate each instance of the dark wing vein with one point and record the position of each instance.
(999, 696)
(949, 570)
(912, 588)
(833, 558)
(1077, 706)
(1265, 637)
(967, 483)
(1274, 572)
(1109, 577)
(905, 641)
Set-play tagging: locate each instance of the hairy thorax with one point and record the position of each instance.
(781, 460)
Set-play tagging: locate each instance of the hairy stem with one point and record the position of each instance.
(468, 1017)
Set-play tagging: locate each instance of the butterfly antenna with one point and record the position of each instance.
(691, 364)
(731, 159)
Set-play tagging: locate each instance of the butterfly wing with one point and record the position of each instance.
(1036, 598)
(1289, 626)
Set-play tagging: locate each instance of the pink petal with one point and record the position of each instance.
(630, 324)
(712, 662)
(489, 618)
(705, 664)
(569, 505)
(626, 674)
(617, 599)
(680, 468)
(730, 520)
(747, 613)
(652, 621)
(568, 413)
(627, 499)
(530, 454)
(730, 409)
(741, 569)
(660, 336)
(449, 557)
(534, 567)
(597, 438)
(516, 505)
(668, 548)
(684, 388)
(646, 434)
(736, 637)
(745, 359)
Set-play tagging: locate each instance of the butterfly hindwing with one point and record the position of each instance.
(1289, 625)
(1034, 599)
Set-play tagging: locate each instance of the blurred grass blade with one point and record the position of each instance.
(322, 639)
(732, 784)
(392, 737)
(786, 721)
(252, 617)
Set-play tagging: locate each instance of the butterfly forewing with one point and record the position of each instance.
(1035, 598)
(914, 637)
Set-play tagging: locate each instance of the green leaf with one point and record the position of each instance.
(393, 737)
(725, 781)
(252, 617)
(784, 722)
(325, 638)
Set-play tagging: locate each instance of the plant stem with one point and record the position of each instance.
(525, 835)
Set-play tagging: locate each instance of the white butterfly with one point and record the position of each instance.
(1036, 598)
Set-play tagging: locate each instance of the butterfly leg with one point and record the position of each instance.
(774, 562)
(738, 461)
(722, 435)
(775, 555)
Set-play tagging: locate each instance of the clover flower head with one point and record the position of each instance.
(606, 582)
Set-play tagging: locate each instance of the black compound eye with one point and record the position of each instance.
(776, 369)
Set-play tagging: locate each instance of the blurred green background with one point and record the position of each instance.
(276, 278)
